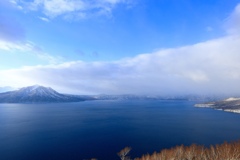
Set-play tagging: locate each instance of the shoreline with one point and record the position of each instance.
(209, 105)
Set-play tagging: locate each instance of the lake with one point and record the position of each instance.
(100, 129)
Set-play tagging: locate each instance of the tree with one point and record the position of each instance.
(124, 152)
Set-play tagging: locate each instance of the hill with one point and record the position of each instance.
(39, 94)
(228, 105)
(225, 151)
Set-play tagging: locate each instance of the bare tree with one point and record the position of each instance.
(124, 152)
(225, 151)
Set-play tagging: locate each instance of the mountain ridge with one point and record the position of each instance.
(39, 94)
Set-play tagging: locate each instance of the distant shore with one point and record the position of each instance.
(227, 105)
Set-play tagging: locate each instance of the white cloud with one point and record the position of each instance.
(55, 8)
(208, 67)
(233, 21)
(8, 46)
(71, 8)
(13, 39)
(44, 19)
(27, 48)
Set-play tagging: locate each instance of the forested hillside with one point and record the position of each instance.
(225, 151)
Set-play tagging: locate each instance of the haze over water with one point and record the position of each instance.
(99, 129)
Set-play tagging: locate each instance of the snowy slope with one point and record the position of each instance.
(36, 93)
(229, 105)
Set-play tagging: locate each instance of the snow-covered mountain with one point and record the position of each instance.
(230, 105)
(39, 94)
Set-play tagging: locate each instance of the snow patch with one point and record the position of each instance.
(232, 99)
(233, 110)
(203, 105)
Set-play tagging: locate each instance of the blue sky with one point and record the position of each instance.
(106, 46)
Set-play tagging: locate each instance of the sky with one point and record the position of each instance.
(121, 46)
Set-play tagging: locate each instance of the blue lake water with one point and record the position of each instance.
(99, 129)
